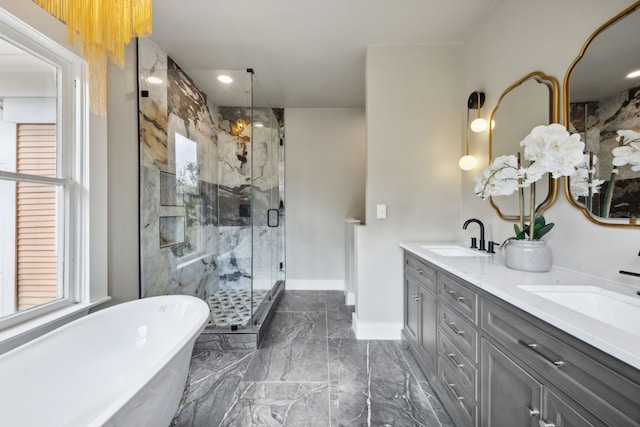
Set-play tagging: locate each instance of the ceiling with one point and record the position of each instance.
(305, 53)
(608, 59)
(15, 60)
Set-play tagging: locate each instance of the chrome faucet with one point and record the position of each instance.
(482, 242)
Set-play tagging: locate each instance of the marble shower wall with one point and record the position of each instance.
(178, 172)
(597, 122)
(247, 164)
(197, 161)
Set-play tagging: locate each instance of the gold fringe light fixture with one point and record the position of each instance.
(103, 28)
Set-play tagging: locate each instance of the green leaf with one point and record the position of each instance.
(540, 228)
(542, 231)
(520, 234)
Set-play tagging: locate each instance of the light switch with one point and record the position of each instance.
(381, 211)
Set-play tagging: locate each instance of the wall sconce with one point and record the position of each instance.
(475, 102)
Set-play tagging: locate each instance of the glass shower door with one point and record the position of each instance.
(265, 199)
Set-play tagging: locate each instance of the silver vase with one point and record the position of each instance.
(525, 255)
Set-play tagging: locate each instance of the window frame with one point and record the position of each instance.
(72, 166)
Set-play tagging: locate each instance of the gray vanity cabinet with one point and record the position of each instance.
(420, 310)
(458, 350)
(599, 387)
(495, 365)
(511, 397)
(412, 309)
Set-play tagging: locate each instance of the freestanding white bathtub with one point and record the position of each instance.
(123, 366)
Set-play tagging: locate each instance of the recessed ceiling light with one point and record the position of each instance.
(258, 125)
(224, 79)
(633, 74)
(154, 80)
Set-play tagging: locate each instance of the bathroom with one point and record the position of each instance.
(402, 153)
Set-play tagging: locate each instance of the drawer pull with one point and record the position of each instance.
(455, 296)
(416, 269)
(544, 423)
(455, 362)
(453, 327)
(533, 412)
(452, 387)
(416, 298)
(534, 348)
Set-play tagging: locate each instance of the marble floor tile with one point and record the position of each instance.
(213, 381)
(339, 316)
(371, 384)
(280, 404)
(296, 326)
(303, 301)
(294, 349)
(396, 396)
(436, 405)
(348, 382)
(311, 371)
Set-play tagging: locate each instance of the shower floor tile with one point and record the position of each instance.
(234, 306)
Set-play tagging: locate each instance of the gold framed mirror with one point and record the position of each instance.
(531, 101)
(600, 99)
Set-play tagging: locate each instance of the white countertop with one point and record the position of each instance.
(490, 274)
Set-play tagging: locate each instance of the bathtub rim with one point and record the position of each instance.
(192, 335)
(24, 332)
(111, 409)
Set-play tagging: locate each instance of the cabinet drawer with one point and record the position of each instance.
(561, 410)
(456, 398)
(459, 331)
(610, 395)
(418, 269)
(465, 372)
(459, 297)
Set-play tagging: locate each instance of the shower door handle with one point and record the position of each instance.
(270, 216)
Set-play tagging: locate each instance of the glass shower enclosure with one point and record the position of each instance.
(211, 215)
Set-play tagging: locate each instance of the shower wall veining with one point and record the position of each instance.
(597, 122)
(196, 184)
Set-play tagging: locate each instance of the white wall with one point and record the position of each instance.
(413, 132)
(324, 184)
(122, 128)
(30, 110)
(518, 37)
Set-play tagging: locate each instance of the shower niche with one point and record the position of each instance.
(211, 194)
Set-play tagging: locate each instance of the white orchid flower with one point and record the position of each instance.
(580, 180)
(629, 135)
(499, 179)
(553, 150)
(629, 152)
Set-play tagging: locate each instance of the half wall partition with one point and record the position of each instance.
(210, 189)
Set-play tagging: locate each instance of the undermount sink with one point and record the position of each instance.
(453, 250)
(613, 308)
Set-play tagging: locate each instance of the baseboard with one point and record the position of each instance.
(351, 298)
(315, 285)
(376, 330)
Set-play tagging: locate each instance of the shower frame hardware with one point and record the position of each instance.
(270, 216)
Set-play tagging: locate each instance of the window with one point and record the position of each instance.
(43, 202)
(187, 177)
